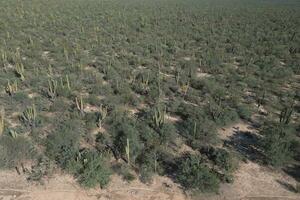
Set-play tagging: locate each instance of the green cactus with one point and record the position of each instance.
(52, 88)
(29, 115)
(195, 129)
(79, 104)
(127, 150)
(13, 133)
(4, 58)
(102, 116)
(68, 85)
(66, 54)
(159, 117)
(11, 88)
(155, 162)
(2, 121)
(145, 81)
(177, 77)
(50, 71)
(20, 71)
(17, 55)
(185, 87)
(65, 83)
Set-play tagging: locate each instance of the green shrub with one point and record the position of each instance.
(125, 171)
(43, 167)
(122, 129)
(277, 143)
(63, 144)
(146, 174)
(167, 133)
(244, 112)
(95, 170)
(193, 174)
(14, 151)
(221, 158)
(201, 132)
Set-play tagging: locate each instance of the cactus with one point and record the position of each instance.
(68, 82)
(52, 88)
(79, 104)
(80, 66)
(13, 133)
(11, 88)
(4, 58)
(82, 30)
(177, 77)
(184, 88)
(30, 40)
(127, 150)
(155, 162)
(195, 129)
(7, 35)
(159, 117)
(65, 83)
(132, 77)
(286, 113)
(50, 73)
(102, 116)
(29, 115)
(1, 121)
(66, 54)
(18, 54)
(145, 82)
(20, 71)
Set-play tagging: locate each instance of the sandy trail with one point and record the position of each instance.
(64, 187)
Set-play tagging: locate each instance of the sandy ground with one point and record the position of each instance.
(64, 187)
(251, 182)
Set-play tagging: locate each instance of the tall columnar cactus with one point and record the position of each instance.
(159, 117)
(103, 114)
(13, 133)
(1, 121)
(30, 41)
(29, 115)
(195, 130)
(65, 83)
(68, 85)
(79, 104)
(127, 150)
(177, 77)
(158, 83)
(145, 81)
(50, 71)
(155, 162)
(4, 58)
(52, 88)
(132, 77)
(66, 54)
(286, 114)
(11, 88)
(184, 88)
(17, 55)
(20, 71)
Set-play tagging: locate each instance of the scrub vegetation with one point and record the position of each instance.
(103, 87)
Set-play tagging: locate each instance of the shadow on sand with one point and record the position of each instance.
(247, 144)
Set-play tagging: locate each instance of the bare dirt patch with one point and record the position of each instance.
(64, 187)
(253, 181)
